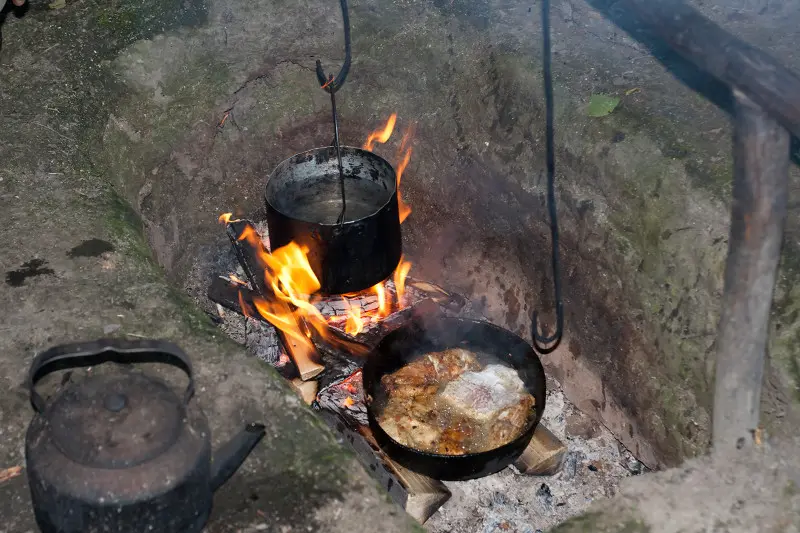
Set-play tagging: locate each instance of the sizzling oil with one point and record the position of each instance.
(421, 417)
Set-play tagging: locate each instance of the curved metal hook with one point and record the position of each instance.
(329, 83)
(538, 339)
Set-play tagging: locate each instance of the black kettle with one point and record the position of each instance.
(122, 452)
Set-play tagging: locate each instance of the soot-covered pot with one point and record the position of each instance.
(122, 452)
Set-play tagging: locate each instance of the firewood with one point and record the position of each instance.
(247, 255)
(306, 389)
(302, 355)
(543, 456)
(233, 296)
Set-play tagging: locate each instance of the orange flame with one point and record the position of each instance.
(400, 275)
(354, 324)
(236, 279)
(383, 307)
(381, 135)
(288, 275)
(403, 155)
(404, 150)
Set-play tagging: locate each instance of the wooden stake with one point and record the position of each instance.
(543, 456)
(758, 217)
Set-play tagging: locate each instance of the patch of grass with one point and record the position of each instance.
(117, 24)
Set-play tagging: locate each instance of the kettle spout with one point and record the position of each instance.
(233, 453)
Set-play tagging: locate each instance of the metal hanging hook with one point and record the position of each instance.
(539, 340)
(331, 84)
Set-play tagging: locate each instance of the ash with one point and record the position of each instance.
(509, 502)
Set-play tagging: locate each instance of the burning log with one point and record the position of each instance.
(338, 366)
(543, 456)
(345, 398)
(238, 231)
(265, 343)
(239, 298)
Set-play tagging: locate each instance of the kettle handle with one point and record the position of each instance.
(102, 351)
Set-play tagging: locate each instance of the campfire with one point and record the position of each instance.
(318, 342)
(280, 287)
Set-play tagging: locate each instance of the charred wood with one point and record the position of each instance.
(248, 257)
(237, 297)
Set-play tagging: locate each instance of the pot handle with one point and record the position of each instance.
(101, 351)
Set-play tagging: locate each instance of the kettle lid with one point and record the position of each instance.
(115, 421)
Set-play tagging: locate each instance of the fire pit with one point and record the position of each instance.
(271, 303)
(316, 301)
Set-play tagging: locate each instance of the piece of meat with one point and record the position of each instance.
(510, 423)
(455, 439)
(421, 407)
(420, 373)
(411, 432)
(482, 396)
(451, 363)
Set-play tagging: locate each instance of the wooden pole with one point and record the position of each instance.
(769, 84)
(760, 189)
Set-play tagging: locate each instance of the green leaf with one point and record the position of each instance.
(601, 105)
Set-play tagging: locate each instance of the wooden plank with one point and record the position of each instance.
(307, 390)
(758, 216)
(543, 456)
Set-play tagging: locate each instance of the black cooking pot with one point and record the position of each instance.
(423, 335)
(121, 451)
(303, 200)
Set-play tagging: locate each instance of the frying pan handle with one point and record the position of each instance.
(103, 351)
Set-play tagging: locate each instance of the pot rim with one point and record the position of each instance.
(360, 152)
